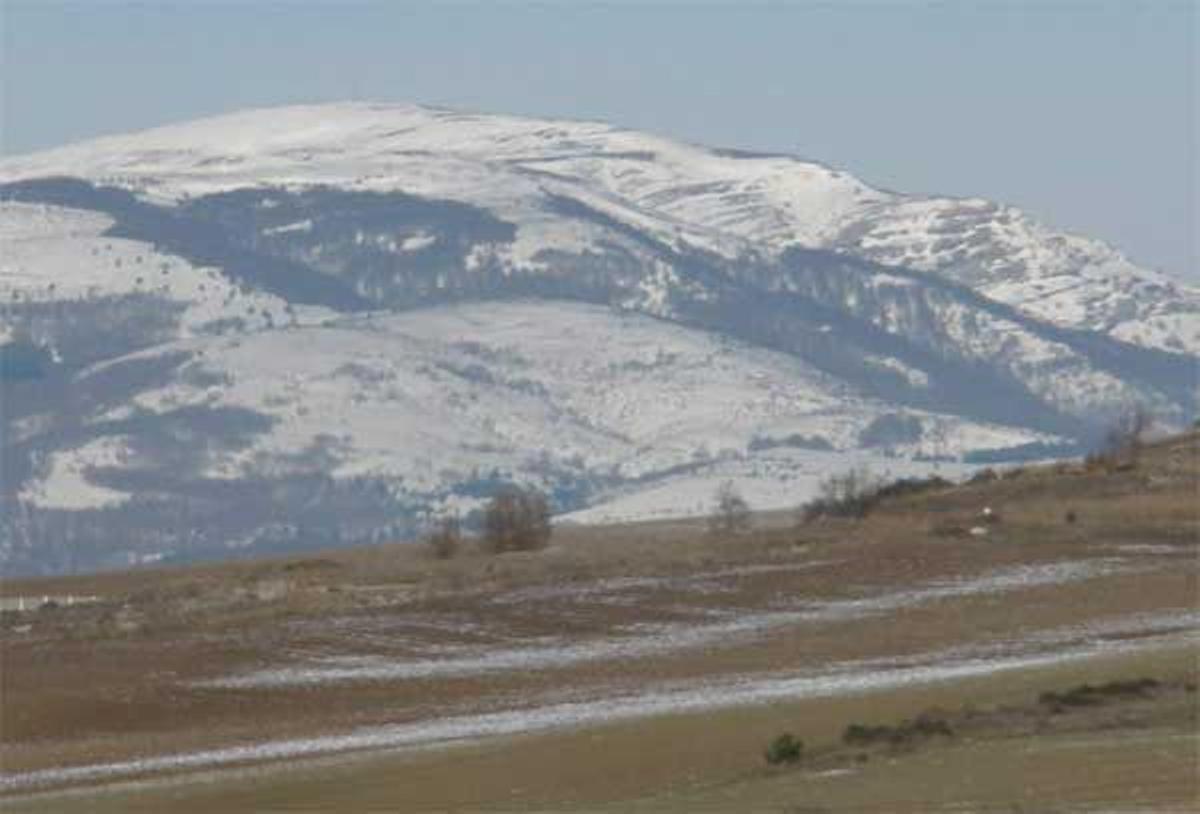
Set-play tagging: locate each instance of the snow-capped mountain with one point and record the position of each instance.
(321, 324)
(729, 202)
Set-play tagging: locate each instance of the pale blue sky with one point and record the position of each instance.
(1083, 113)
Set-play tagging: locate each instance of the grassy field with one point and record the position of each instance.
(1144, 757)
(670, 657)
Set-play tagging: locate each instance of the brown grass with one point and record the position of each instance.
(713, 762)
(134, 654)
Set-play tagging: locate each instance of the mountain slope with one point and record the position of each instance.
(897, 334)
(360, 427)
(316, 325)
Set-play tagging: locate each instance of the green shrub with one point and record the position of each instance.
(1086, 695)
(905, 733)
(785, 749)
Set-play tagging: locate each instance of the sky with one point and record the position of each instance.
(1082, 113)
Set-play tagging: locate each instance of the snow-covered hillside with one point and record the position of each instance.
(1063, 279)
(728, 202)
(52, 254)
(431, 410)
(318, 325)
(435, 399)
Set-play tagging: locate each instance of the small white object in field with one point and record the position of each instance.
(979, 531)
(987, 511)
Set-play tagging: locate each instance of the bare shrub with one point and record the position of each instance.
(445, 540)
(856, 492)
(986, 475)
(731, 512)
(909, 486)
(516, 519)
(848, 494)
(1122, 443)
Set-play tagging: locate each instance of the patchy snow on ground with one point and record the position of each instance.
(653, 640)
(835, 680)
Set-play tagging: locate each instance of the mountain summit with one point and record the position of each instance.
(320, 324)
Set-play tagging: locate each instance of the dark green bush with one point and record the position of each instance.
(785, 749)
(1086, 695)
(907, 732)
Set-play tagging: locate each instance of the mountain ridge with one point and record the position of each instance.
(583, 148)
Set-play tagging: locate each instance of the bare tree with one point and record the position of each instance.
(1123, 441)
(516, 519)
(849, 494)
(445, 540)
(731, 512)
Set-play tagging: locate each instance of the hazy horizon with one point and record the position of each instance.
(1084, 116)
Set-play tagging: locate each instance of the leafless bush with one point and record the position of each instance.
(849, 494)
(731, 512)
(1122, 443)
(445, 540)
(856, 492)
(986, 475)
(516, 519)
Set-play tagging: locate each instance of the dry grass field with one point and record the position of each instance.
(645, 667)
